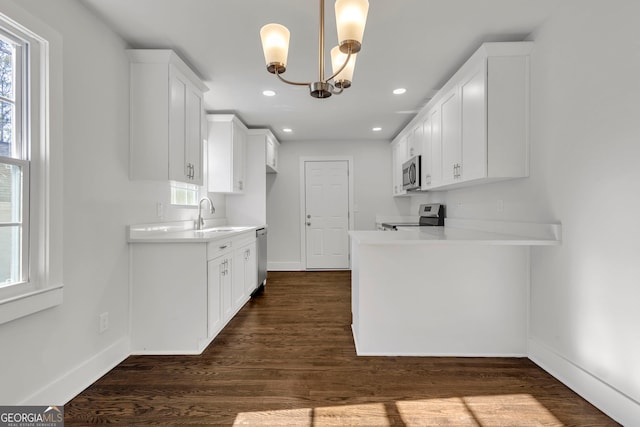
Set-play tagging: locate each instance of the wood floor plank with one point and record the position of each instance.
(288, 359)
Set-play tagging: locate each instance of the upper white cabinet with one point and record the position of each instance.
(271, 146)
(476, 129)
(398, 157)
(167, 114)
(415, 141)
(450, 130)
(227, 144)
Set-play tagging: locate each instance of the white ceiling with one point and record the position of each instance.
(415, 44)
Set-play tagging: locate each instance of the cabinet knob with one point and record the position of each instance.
(308, 223)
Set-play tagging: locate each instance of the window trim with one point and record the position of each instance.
(44, 289)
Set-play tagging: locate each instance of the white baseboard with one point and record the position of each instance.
(72, 383)
(285, 266)
(612, 402)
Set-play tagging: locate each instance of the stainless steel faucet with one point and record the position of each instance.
(200, 220)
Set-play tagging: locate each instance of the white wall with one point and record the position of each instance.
(49, 356)
(584, 174)
(372, 188)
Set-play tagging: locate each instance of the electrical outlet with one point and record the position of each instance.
(104, 321)
(159, 210)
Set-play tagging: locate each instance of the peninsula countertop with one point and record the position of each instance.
(466, 232)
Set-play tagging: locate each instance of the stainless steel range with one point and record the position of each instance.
(431, 215)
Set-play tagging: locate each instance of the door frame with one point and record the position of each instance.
(303, 199)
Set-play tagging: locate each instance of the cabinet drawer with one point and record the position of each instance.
(217, 248)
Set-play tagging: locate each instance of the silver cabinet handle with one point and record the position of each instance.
(223, 247)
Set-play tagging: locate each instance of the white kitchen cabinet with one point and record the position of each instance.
(398, 157)
(183, 293)
(426, 168)
(166, 115)
(479, 120)
(450, 135)
(245, 273)
(272, 146)
(216, 273)
(227, 142)
(415, 141)
(219, 299)
(435, 141)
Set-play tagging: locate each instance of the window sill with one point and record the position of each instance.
(29, 303)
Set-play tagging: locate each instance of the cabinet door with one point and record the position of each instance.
(414, 141)
(474, 124)
(226, 155)
(178, 170)
(215, 270)
(427, 164)
(227, 289)
(250, 268)
(435, 122)
(239, 278)
(272, 155)
(239, 158)
(450, 133)
(219, 157)
(398, 156)
(193, 142)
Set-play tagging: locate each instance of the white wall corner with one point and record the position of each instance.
(71, 383)
(609, 400)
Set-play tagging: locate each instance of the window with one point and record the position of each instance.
(184, 194)
(30, 176)
(14, 164)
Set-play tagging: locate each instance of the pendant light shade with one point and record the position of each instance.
(343, 78)
(275, 44)
(351, 17)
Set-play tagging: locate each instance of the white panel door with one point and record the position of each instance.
(327, 214)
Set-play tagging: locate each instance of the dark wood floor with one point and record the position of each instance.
(288, 359)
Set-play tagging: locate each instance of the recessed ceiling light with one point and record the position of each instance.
(376, 129)
(287, 130)
(399, 91)
(269, 93)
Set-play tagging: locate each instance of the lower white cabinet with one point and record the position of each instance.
(245, 275)
(218, 292)
(183, 294)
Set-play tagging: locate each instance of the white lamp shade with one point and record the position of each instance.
(337, 59)
(275, 44)
(351, 17)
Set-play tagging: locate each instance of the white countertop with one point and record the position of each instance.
(179, 232)
(466, 232)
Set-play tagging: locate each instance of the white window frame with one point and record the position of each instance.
(22, 161)
(42, 287)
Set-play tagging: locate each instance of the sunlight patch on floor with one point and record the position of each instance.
(284, 417)
(491, 410)
(455, 411)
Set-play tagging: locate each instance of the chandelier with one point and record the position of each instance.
(351, 17)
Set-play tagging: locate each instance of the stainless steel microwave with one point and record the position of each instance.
(411, 174)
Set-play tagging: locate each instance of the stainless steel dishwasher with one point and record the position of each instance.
(261, 237)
